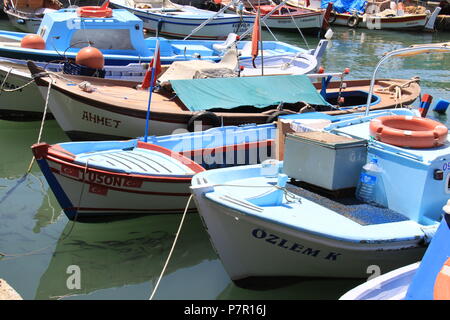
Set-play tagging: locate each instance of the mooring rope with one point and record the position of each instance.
(43, 120)
(171, 250)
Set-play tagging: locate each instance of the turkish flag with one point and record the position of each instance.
(256, 37)
(132, 183)
(69, 171)
(98, 189)
(154, 64)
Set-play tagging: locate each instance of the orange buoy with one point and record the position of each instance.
(32, 41)
(408, 131)
(95, 11)
(90, 57)
(442, 283)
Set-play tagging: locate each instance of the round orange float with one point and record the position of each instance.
(95, 11)
(33, 41)
(408, 131)
(442, 284)
(90, 57)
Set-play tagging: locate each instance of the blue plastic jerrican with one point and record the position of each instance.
(370, 185)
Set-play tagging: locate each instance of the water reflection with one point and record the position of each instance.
(123, 253)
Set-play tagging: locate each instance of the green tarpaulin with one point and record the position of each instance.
(260, 92)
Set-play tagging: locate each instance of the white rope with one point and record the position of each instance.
(210, 19)
(298, 28)
(42, 121)
(171, 250)
(264, 22)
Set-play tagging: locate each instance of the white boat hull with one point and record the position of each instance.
(24, 24)
(25, 103)
(166, 24)
(103, 194)
(259, 248)
(410, 22)
(306, 21)
(390, 286)
(82, 121)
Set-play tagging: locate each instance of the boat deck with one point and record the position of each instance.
(349, 207)
(134, 161)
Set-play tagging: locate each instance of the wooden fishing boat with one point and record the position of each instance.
(169, 19)
(146, 175)
(26, 15)
(22, 100)
(376, 15)
(281, 17)
(116, 109)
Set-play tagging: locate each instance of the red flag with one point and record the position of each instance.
(155, 63)
(256, 37)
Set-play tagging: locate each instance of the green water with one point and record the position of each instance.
(123, 259)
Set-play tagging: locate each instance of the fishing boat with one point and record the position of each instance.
(306, 230)
(374, 15)
(118, 34)
(341, 200)
(149, 175)
(279, 16)
(113, 109)
(166, 18)
(424, 280)
(26, 15)
(21, 99)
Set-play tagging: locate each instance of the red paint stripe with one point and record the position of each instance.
(163, 179)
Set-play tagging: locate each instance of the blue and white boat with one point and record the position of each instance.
(121, 40)
(126, 178)
(422, 280)
(169, 19)
(354, 202)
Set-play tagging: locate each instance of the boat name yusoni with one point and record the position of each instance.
(113, 181)
(99, 178)
(95, 118)
(293, 246)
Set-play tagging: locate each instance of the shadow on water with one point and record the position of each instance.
(122, 253)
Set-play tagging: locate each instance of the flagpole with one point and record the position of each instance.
(152, 79)
(261, 44)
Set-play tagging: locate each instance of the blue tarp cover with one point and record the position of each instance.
(341, 6)
(260, 92)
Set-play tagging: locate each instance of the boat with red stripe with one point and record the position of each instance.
(112, 179)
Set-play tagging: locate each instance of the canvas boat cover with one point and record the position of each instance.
(260, 92)
(342, 6)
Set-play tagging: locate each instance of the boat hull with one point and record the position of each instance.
(390, 286)
(83, 118)
(86, 193)
(407, 22)
(180, 27)
(24, 24)
(308, 21)
(23, 104)
(259, 248)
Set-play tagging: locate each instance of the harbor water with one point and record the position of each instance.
(41, 249)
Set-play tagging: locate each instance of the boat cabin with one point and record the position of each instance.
(414, 182)
(122, 33)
